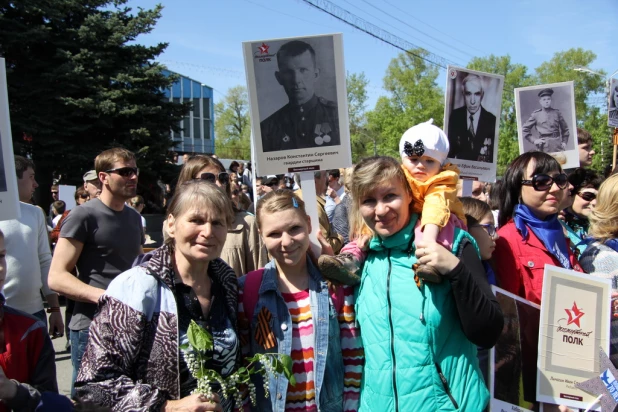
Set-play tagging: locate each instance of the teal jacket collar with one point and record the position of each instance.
(399, 240)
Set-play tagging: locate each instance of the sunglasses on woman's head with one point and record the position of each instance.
(587, 196)
(83, 196)
(543, 182)
(125, 171)
(211, 177)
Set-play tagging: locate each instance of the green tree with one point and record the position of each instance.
(233, 125)
(515, 75)
(596, 124)
(413, 97)
(361, 138)
(561, 68)
(79, 83)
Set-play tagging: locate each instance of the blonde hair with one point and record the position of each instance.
(604, 217)
(370, 173)
(105, 160)
(201, 195)
(279, 200)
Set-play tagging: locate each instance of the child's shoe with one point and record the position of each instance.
(427, 273)
(340, 269)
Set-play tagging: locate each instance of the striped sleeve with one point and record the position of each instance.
(353, 354)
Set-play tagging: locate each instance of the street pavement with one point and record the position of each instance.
(64, 370)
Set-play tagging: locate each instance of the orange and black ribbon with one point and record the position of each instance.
(264, 334)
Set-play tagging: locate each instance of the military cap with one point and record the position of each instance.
(546, 92)
(90, 175)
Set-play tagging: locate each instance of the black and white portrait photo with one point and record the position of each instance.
(9, 199)
(546, 121)
(297, 97)
(612, 108)
(2, 172)
(471, 119)
(295, 89)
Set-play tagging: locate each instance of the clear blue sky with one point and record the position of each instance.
(205, 36)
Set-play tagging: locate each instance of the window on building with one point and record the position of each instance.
(206, 108)
(197, 131)
(207, 129)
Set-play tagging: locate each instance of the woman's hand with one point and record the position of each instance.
(436, 255)
(193, 403)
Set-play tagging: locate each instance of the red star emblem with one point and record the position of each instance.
(574, 315)
(263, 48)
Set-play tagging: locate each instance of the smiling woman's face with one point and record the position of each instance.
(386, 209)
(542, 203)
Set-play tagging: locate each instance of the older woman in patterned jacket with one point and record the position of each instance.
(133, 359)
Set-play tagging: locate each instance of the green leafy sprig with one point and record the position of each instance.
(195, 354)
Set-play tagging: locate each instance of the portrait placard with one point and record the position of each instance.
(575, 319)
(612, 105)
(9, 198)
(512, 361)
(298, 100)
(472, 110)
(546, 121)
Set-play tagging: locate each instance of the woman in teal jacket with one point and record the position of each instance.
(420, 339)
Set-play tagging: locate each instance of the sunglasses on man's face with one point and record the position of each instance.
(223, 177)
(125, 171)
(54, 193)
(587, 196)
(543, 182)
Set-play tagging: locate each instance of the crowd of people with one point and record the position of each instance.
(396, 313)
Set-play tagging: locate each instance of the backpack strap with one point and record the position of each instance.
(251, 292)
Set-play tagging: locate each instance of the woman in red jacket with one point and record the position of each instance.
(534, 187)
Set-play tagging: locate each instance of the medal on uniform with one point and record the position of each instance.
(318, 131)
(326, 130)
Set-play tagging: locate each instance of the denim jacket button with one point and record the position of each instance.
(530, 264)
(284, 326)
(279, 396)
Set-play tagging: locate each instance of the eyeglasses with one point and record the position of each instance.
(223, 177)
(54, 192)
(543, 182)
(489, 227)
(125, 171)
(84, 196)
(587, 196)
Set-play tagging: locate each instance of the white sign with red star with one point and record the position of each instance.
(575, 319)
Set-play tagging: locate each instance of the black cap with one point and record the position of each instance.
(270, 180)
(546, 92)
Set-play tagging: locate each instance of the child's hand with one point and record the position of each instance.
(363, 242)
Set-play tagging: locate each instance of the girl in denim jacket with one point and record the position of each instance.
(295, 313)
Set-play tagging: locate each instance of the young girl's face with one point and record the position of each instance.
(421, 167)
(480, 233)
(286, 236)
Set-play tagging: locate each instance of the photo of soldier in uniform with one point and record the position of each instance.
(546, 121)
(612, 110)
(308, 115)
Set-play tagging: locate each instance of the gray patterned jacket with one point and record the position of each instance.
(131, 360)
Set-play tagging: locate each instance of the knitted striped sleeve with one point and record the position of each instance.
(353, 354)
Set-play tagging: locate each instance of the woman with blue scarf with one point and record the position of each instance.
(533, 189)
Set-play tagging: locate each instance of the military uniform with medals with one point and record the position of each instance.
(313, 124)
